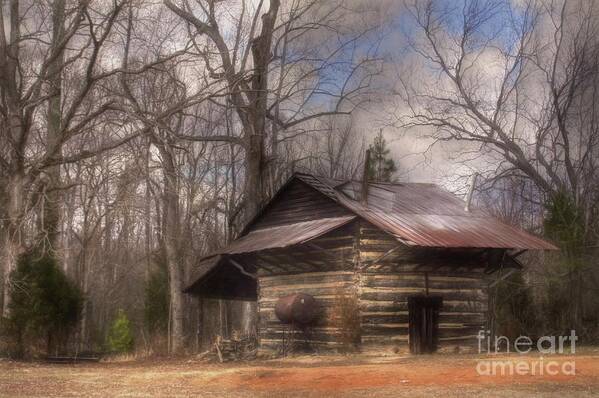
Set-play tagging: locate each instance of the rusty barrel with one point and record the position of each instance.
(298, 308)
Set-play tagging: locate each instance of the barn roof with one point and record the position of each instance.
(426, 215)
(415, 214)
(266, 238)
(284, 235)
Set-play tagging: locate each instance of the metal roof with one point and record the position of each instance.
(267, 238)
(427, 215)
(415, 214)
(284, 235)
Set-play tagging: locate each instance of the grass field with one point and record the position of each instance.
(437, 375)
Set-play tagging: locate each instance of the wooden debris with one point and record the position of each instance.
(233, 349)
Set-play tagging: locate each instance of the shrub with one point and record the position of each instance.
(513, 307)
(346, 316)
(44, 305)
(120, 337)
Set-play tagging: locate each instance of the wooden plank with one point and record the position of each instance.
(384, 340)
(299, 202)
(311, 277)
(403, 293)
(419, 282)
(275, 342)
(273, 290)
(325, 287)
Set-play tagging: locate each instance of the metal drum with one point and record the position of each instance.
(298, 308)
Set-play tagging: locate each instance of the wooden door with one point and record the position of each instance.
(424, 323)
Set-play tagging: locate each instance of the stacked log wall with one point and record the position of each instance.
(385, 285)
(325, 287)
(349, 260)
(324, 268)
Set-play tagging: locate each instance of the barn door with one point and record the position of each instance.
(423, 323)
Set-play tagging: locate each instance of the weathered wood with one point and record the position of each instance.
(397, 274)
(299, 202)
(331, 264)
(325, 287)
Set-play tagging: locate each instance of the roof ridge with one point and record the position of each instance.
(472, 230)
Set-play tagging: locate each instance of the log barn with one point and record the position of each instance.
(402, 265)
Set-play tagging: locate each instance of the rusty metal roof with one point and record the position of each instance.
(426, 215)
(284, 235)
(415, 214)
(267, 238)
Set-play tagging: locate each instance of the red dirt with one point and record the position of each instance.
(435, 375)
(428, 372)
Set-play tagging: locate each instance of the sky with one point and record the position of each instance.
(418, 161)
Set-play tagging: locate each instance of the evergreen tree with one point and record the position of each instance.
(44, 305)
(564, 224)
(120, 336)
(565, 277)
(381, 167)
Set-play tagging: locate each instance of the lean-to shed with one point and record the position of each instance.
(407, 258)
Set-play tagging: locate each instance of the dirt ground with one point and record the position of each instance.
(337, 376)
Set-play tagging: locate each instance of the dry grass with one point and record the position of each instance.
(310, 376)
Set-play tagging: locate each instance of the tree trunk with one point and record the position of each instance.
(10, 251)
(51, 209)
(11, 242)
(254, 166)
(171, 243)
(256, 134)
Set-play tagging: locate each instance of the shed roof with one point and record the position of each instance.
(202, 268)
(215, 277)
(426, 215)
(266, 238)
(415, 214)
(284, 235)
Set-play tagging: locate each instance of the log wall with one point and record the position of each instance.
(324, 286)
(362, 260)
(325, 269)
(385, 285)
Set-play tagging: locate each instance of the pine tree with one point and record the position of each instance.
(381, 167)
(44, 303)
(120, 335)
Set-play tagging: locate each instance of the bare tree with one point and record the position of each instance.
(268, 78)
(516, 85)
(135, 133)
(522, 113)
(26, 66)
(338, 153)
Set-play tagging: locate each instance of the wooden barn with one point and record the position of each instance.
(408, 261)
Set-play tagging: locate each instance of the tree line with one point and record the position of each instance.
(138, 135)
